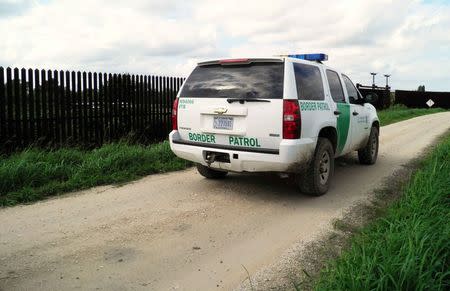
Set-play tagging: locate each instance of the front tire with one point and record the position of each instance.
(210, 173)
(368, 155)
(315, 180)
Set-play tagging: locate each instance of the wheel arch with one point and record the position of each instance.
(330, 133)
(376, 124)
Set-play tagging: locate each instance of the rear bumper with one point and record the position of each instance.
(290, 157)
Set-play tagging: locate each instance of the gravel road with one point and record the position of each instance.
(181, 231)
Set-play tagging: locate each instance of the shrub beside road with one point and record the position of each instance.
(409, 247)
(35, 174)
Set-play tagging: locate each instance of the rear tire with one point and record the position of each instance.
(368, 155)
(315, 180)
(210, 173)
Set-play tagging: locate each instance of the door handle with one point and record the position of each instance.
(355, 113)
(337, 112)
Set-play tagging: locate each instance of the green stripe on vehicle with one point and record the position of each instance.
(343, 124)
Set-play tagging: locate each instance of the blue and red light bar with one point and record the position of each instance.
(310, 57)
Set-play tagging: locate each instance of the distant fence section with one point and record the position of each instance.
(418, 99)
(39, 107)
(383, 93)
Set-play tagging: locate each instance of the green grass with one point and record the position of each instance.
(408, 248)
(35, 173)
(400, 112)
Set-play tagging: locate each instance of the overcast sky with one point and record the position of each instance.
(408, 39)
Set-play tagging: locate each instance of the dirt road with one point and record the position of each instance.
(181, 231)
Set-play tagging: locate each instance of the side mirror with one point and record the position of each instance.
(371, 98)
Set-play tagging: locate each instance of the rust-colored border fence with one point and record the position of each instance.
(54, 108)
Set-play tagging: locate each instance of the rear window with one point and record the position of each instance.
(255, 80)
(309, 82)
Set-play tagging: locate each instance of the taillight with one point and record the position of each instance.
(175, 114)
(291, 119)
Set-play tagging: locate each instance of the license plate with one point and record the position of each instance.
(222, 122)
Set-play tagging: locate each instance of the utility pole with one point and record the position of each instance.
(373, 79)
(387, 80)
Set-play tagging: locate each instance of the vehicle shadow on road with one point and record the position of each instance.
(270, 187)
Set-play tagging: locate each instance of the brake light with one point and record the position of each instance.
(291, 119)
(175, 114)
(232, 61)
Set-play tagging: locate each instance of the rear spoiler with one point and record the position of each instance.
(227, 62)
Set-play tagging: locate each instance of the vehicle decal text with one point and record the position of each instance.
(200, 137)
(244, 141)
(314, 106)
(363, 119)
(183, 102)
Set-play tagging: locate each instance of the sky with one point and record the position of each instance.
(410, 40)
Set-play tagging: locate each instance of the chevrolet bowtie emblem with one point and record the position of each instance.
(220, 110)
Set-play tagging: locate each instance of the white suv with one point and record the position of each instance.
(288, 114)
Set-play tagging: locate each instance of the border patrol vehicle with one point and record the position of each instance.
(288, 114)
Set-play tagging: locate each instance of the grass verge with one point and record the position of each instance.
(407, 248)
(398, 113)
(35, 174)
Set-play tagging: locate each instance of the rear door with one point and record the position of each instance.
(235, 104)
(342, 109)
(359, 116)
(311, 94)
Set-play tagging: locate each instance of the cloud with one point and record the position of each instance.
(409, 40)
(9, 8)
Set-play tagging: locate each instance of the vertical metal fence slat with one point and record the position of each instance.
(116, 105)
(23, 117)
(62, 116)
(140, 102)
(3, 133)
(166, 103)
(171, 97)
(120, 108)
(84, 107)
(111, 106)
(50, 104)
(108, 108)
(126, 102)
(146, 103)
(38, 98)
(74, 108)
(167, 107)
(80, 106)
(134, 98)
(158, 107)
(152, 106)
(56, 108)
(44, 102)
(161, 106)
(90, 109)
(95, 109)
(9, 101)
(68, 106)
(17, 126)
(101, 109)
(31, 106)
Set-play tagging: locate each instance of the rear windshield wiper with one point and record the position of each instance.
(242, 100)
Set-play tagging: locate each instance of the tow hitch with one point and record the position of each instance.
(211, 157)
